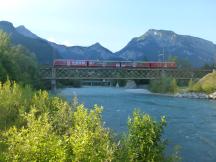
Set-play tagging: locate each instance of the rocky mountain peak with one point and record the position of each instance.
(25, 32)
(97, 45)
(157, 34)
(6, 26)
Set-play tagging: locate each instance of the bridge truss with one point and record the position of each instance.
(119, 73)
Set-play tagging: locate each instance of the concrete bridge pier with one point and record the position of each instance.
(130, 84)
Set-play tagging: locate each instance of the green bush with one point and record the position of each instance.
(17, 63)
(40, 127)
(144, 138)
(164, 85)
(35, 142)
(14, 100)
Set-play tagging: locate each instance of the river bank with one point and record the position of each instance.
(194, 95)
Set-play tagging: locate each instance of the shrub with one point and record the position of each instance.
(164, 85)
(40, 127)
(144, 138)
(35, 142)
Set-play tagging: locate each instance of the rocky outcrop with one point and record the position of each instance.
(213, 96)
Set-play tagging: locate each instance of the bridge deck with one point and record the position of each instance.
(119, 73)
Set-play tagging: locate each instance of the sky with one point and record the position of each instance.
(112, 23)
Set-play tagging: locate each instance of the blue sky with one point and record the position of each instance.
(113, 23)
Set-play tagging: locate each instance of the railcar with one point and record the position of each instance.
(69, 63)
(111, 64)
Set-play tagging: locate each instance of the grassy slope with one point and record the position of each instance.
(207, 84)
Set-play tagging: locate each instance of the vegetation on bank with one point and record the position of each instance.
(164, 85)
(207, 84)
(38, 127)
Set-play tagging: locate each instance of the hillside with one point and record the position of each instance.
(147, 47)
(206, 84)
(93, 52)
(41, 48)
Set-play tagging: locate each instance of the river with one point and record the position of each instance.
(191, 123)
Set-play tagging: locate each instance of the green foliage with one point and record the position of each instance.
(144, 138)
(209, 66)
(14, 100)
(50, 130)
(89, 140)
(164, 85)
(38, 127)
(190, 85)
(16, 62)
(35, 142)
(207, 84)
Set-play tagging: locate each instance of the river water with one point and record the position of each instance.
(191, 123)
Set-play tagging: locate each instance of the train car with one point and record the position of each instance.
(60, 62)
(127, 64)
(154, 65)
(171, 65)
(69, 63)
(78, 63)
(113, 64)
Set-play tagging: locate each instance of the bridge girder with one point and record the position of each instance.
(119, 73)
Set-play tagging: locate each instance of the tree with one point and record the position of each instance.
(173, 86)
(89, 140)
(144, 140)
(164, 85)
(16, 62)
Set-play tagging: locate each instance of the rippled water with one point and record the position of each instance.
(191, 122)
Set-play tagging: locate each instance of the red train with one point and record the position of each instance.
(111, 64)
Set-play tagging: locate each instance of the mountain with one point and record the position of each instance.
(45, 51)
(93, 52)
(147, 47)
(39, 47)
(25, 32)
(195, 50)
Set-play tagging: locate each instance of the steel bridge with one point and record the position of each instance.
(70, 73)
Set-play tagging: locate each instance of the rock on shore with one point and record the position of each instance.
(213, 96)
(196, 95)
(192, 95)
